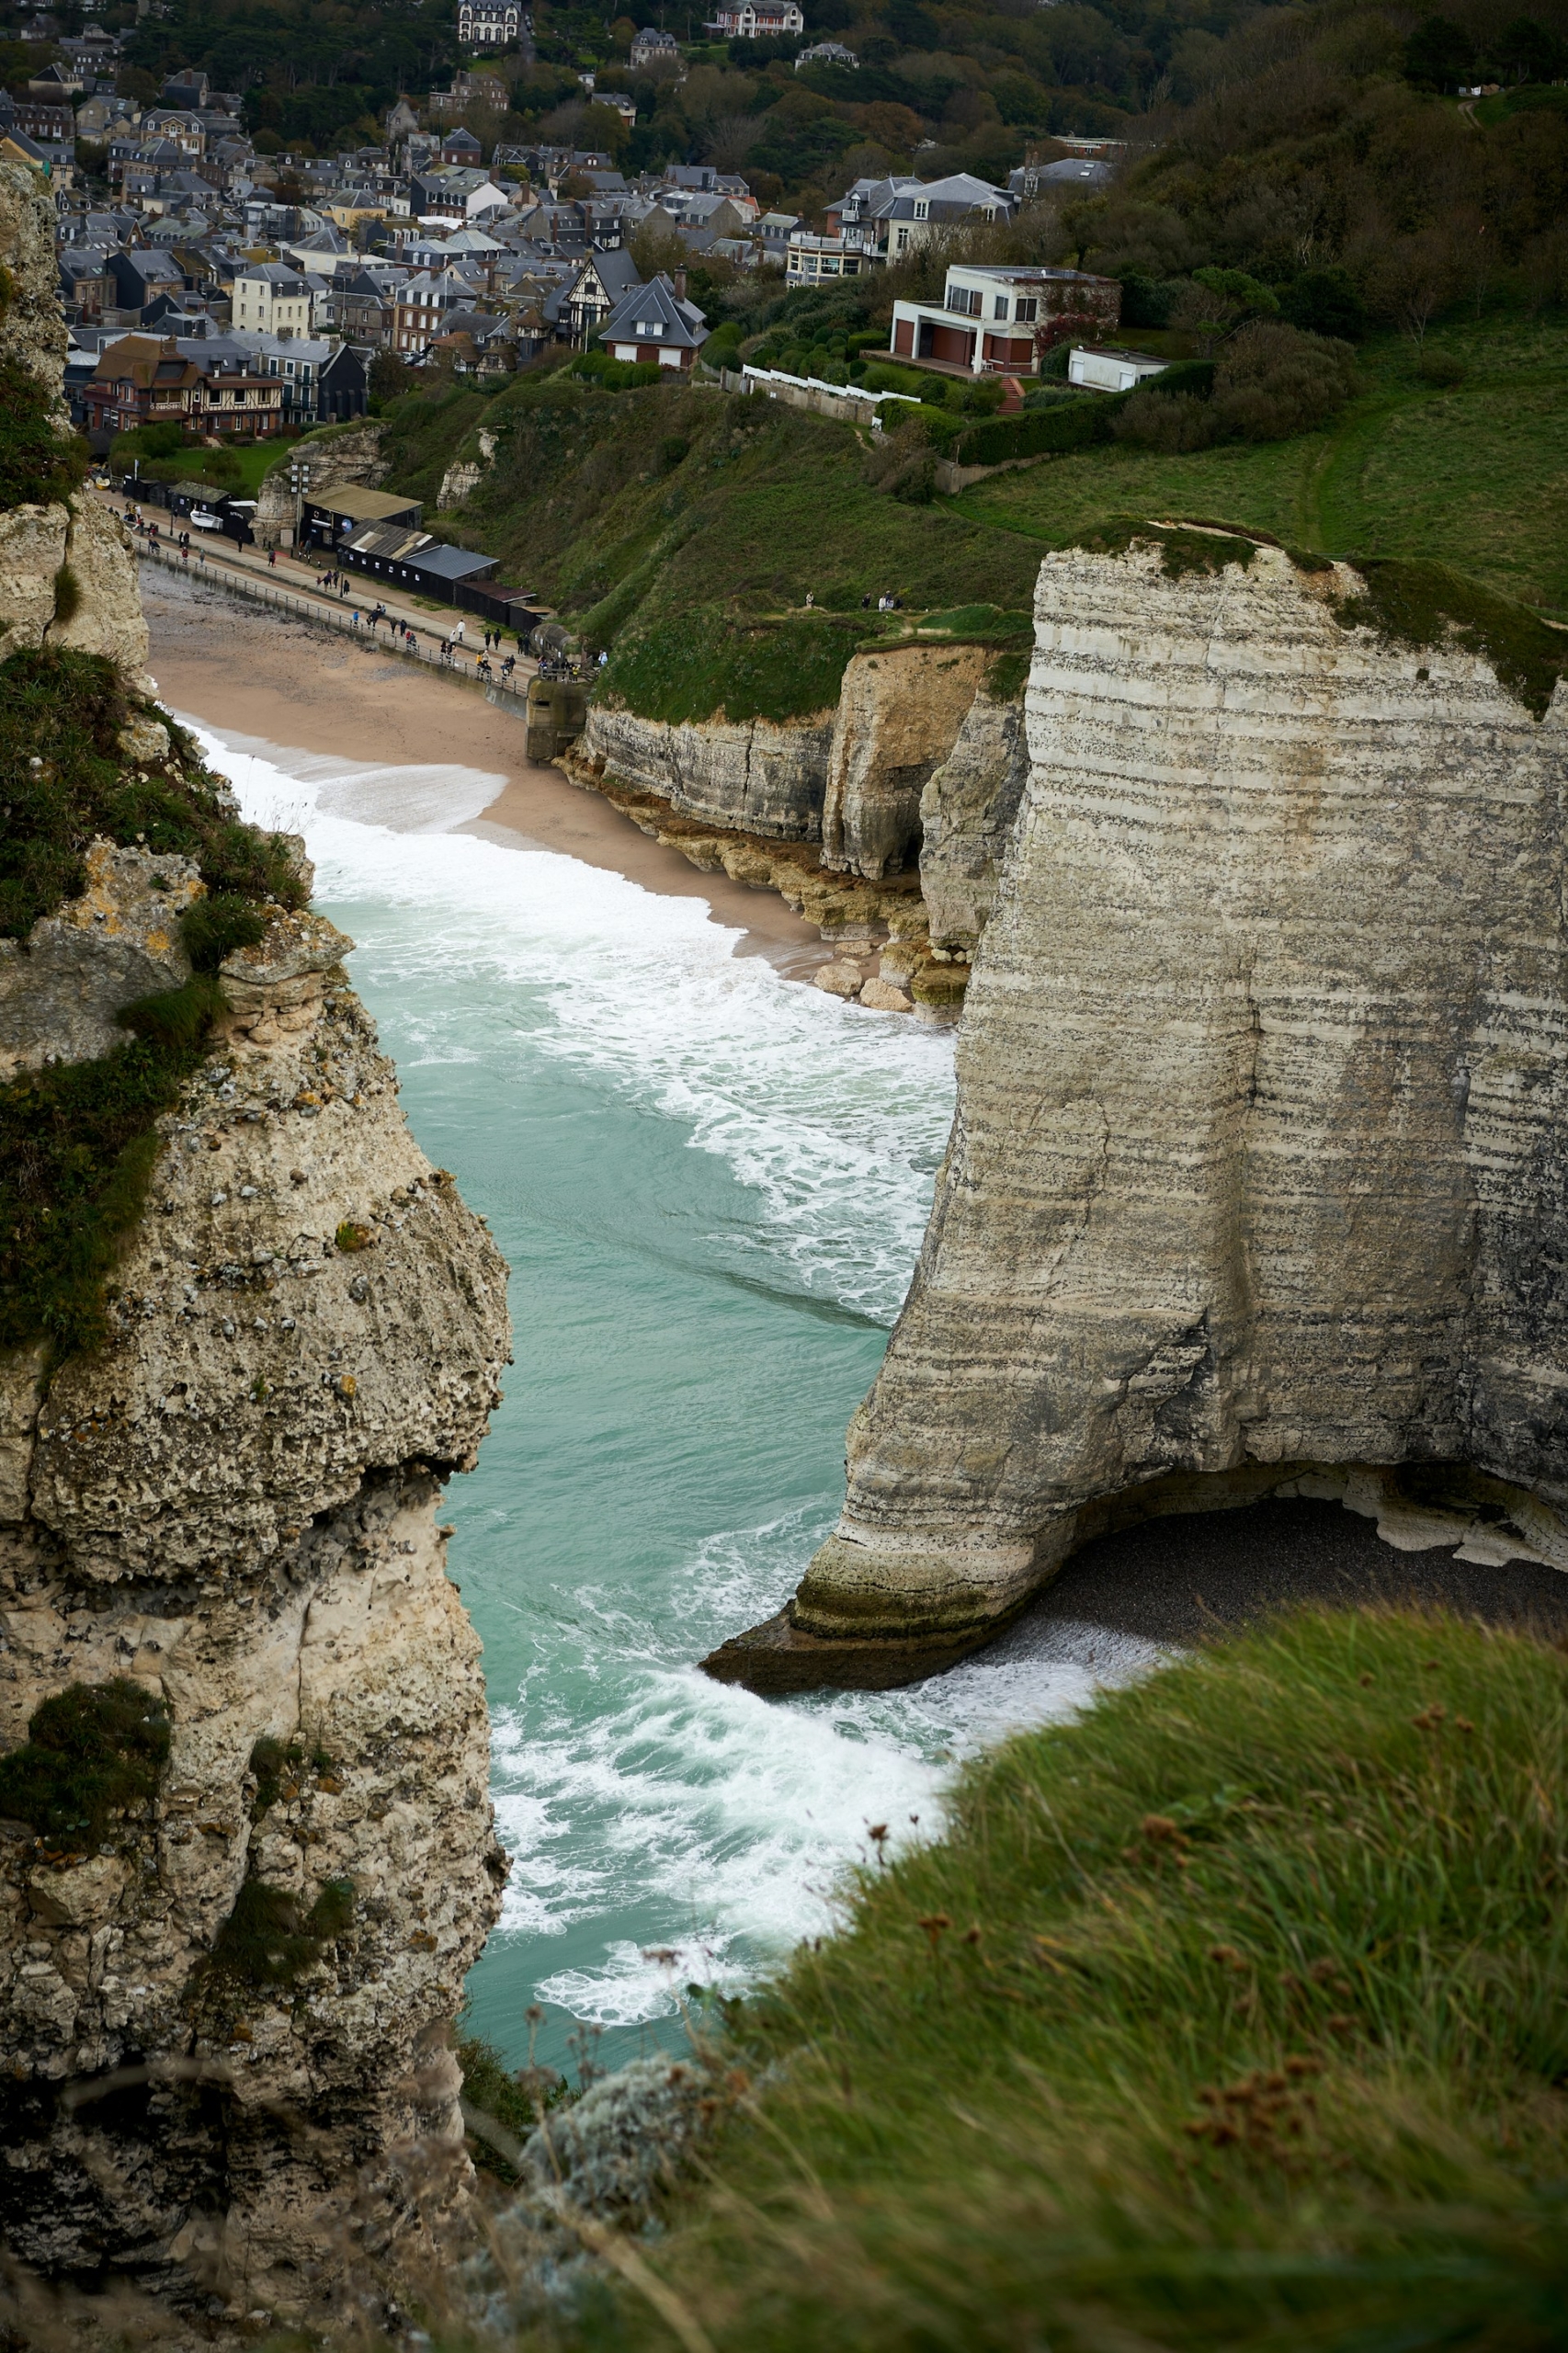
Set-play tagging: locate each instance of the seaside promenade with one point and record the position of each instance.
(294, 587)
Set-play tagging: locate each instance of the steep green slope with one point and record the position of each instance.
(1231, 2016)
(78, 1141)
(687, 519)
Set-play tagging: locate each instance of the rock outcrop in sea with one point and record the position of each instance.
(1257, 1183)
(246, 1850)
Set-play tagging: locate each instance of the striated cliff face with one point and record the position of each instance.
(223, 2008)
(232, 1506)
(967, 813)
(1255, 1183)
(246, 1852)
(100, 611)
(917, 772)
(752, 776)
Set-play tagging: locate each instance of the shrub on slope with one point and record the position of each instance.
(1231, 2016)
(78, 1141)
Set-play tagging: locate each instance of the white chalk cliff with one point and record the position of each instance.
(1256, 1181)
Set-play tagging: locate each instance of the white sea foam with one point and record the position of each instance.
(738, 1818)
(410, 798)
(627, 1787)
(836, 1116)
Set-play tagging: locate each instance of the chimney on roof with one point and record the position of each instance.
(680, 286)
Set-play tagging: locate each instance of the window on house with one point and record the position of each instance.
(1028, 308)
(999, 306)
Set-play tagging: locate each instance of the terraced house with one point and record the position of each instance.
(419, 314)
(272, 299)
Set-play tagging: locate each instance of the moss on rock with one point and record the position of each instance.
(94, 1751)
(1424, 606)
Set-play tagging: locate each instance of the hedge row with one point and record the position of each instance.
(1075, 425)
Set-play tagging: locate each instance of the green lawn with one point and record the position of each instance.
(1476, 476)
(191, 465)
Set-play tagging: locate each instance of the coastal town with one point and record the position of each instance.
(212, 278)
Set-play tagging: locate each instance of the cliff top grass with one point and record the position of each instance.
(1468, 474)
(668, 514)
(1417, 605)
(1424, 605)
(1231, 2015)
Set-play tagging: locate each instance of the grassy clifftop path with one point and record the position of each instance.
(1470, 472)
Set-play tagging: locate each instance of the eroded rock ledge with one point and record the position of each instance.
(882, 822)
(1257, 1182)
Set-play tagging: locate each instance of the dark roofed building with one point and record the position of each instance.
(331, 516)
(656, 323)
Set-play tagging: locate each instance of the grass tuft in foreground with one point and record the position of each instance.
(1234, 2015)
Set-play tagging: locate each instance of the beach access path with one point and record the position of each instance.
(247, 567)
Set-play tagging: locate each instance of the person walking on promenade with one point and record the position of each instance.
(272, 558)
(458, 632)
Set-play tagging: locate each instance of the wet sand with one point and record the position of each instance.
(261, 676)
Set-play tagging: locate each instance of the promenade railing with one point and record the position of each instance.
(324, 611)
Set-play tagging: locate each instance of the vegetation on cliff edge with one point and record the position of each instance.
(78, 1141)
(1229, 2015)
(92, 1753)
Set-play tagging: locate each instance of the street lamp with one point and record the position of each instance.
(298, 483)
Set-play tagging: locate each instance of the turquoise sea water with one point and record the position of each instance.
(710, 1185)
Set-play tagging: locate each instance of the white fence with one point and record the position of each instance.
(846, 404)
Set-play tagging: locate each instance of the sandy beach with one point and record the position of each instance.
(274, 683)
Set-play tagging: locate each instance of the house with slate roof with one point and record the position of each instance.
(604, 280)
(656, 323)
